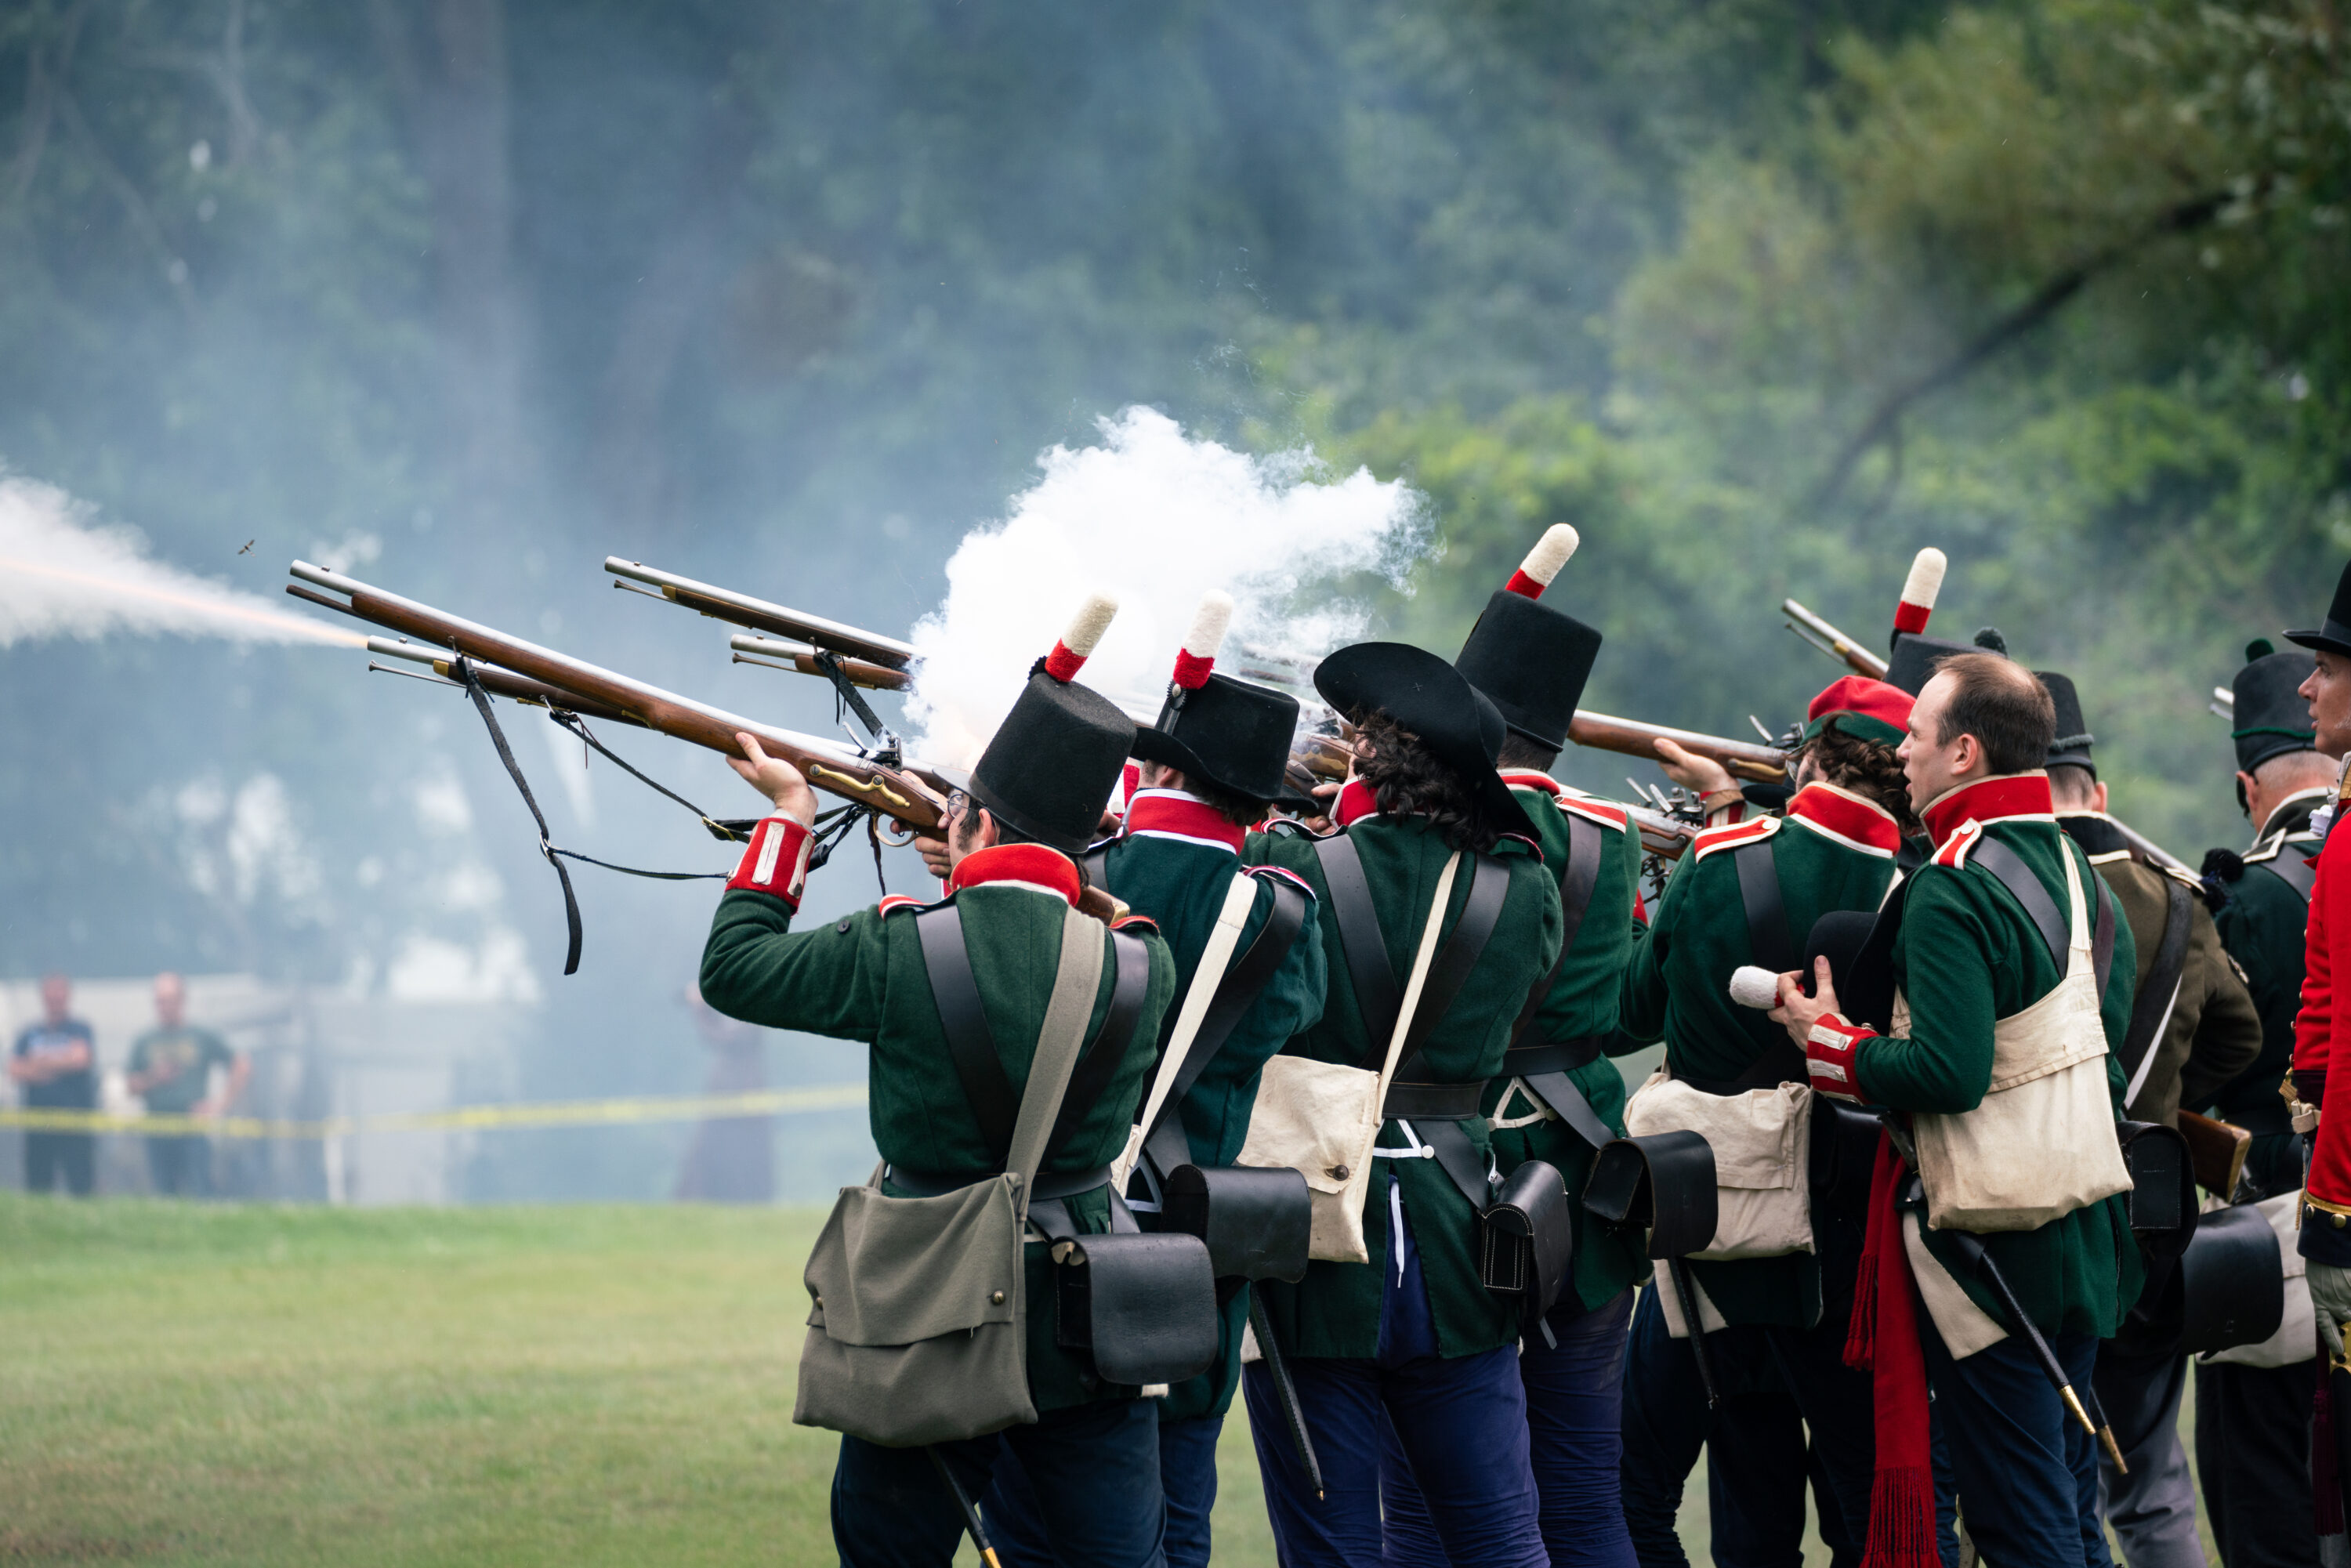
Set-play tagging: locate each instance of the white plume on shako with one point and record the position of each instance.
(61, 575)
(1155, 520)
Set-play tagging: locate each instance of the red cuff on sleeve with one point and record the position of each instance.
(1830, 1053)
(775, 862)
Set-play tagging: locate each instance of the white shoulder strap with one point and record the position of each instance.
(1419, 970)
(1215, 959)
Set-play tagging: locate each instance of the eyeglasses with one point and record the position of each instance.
(958, 802)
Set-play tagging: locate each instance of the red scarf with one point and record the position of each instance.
(1884, 1343)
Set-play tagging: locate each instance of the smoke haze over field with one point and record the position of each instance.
(1156, 518)
(63, 576)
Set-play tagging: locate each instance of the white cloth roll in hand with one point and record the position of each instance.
(1752, 987)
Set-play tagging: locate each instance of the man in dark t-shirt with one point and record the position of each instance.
(55, 1068)
(170, 1066)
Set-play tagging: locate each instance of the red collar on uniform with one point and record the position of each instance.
(1849, 819)
(1988, 800)
(1528, 778)
(1355, 802)
(1174, 814)
(1032, 866)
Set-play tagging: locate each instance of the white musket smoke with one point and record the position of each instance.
(62, 577)
(1157, 520)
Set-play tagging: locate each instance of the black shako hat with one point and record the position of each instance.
(2270, 717)
(2335, 634)
(1457, 723)
(1532, 662)
(1053, 763)
(2070, 746)
(1226, 733)
(1916, 654)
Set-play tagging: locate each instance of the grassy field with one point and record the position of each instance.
(208, 1384)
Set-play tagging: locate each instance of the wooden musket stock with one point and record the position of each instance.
(1630, 737)
(901, 794)
(760, 615)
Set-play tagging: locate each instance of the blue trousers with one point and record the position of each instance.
(1096, 1470)
(1462, 1425)
(1574, 1421)
(1187, 1479)
(2026, 1472)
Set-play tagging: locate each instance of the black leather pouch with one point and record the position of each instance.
(1256, 1221)
(1144, 1304)
(1664, 1182)
(2232, 1282)
(2163, 1186)
(1844, 1157)
(1526, 1239)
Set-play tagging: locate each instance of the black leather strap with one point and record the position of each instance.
(1767, 914)
(932, 1184)
(1460, 1159)
(1376, 996)
(1433, 1101)
(1489, 884)
(1106, 1052)
(2039, 908)
(1578, 879)
(2289, 867)
(2161, 987)
(956, 993)
(1559, 1056)
(1559, 1091)
(1093, 866)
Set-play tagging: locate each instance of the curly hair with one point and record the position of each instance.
(1867, 769)
(1409, 781)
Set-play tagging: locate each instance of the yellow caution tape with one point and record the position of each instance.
(463, 1119)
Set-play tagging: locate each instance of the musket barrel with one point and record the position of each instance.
(1857, 659)
(802, 657)
(1630, 737)
(896, 793)
(761, 615)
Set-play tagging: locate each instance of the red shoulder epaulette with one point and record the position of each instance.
(1731, 835)
(1955, 849)
(898, 901)
(1124, 921)
(1599, 811)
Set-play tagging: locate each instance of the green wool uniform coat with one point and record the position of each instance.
(1582, 1004)
(2262, 926)
(1833, 852)
(862, 978)
(1335, 1310)
(1181, 887)
(1966, 955)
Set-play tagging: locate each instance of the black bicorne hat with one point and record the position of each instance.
(1226, 733)
(1916, 654)
(2335, 634)
(1457, 723)
(1051, 765)
(2270, 717)
(2070, 746)
(1532, 662)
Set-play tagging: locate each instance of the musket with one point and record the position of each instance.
(1630, 737)
(803, 657)
(760, 615)
(496, 681)
(904, 795)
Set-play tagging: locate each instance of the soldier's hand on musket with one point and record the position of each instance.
(1798, 1012)
(933, 848)
(1701, 776)
(1320, 821)
(776, 778)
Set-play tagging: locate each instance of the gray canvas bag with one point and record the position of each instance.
(918, 1323)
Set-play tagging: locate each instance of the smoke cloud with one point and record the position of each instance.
(63, 576)
(1156, 520)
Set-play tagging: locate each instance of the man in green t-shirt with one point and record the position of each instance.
(170, 1066)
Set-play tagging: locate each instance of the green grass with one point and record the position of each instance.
(209, 1383)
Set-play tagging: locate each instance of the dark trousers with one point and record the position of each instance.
(2027, 1474)
(1462, 1425)
(67, 1157)
(1096, 1469)
(179, 1165)
(2253, 1455)
(1187, 1480)
(1573, 1390)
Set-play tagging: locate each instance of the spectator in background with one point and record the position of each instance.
(171, 1065)
(55, 1068)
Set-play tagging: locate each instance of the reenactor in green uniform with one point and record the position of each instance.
(1558, 1097)
(2253, 1404)
(1212, 761)
(942, 1121)
(1412, 1337)
(1747, 895)
(2193, 1028)
(2014, 1232)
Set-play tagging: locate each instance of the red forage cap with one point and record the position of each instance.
(1543, 561)
(1197, 656)
(1883, 711)
(1919, 591)
(1077, 644)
